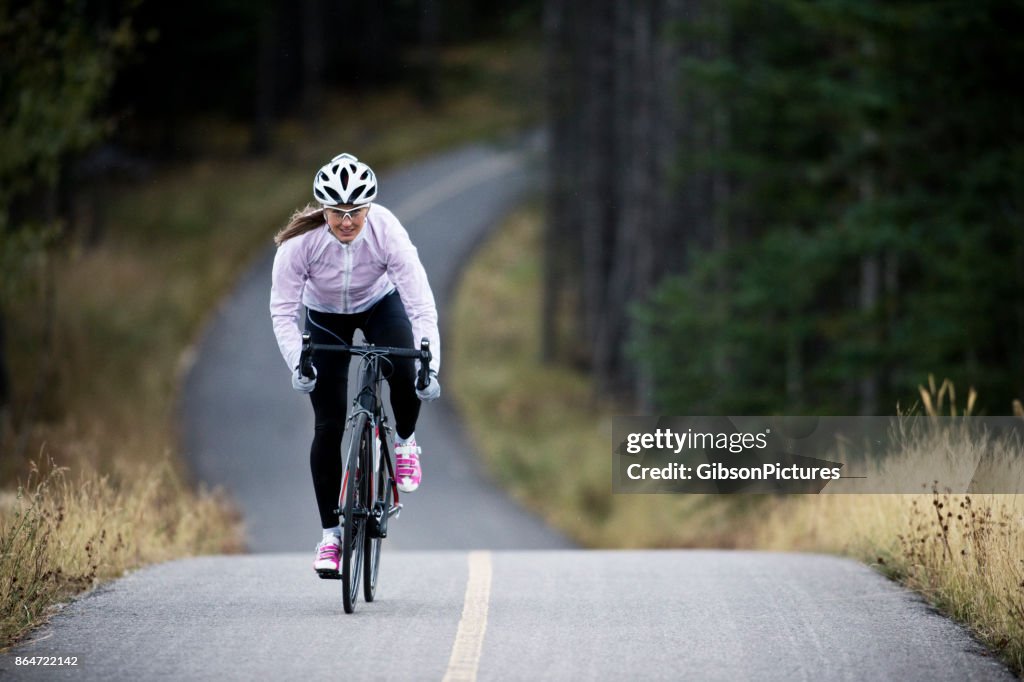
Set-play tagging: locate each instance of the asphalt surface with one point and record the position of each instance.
(524, 605)
(551, 615)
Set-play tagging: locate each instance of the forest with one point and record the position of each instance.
(786, 206)
(752, 207)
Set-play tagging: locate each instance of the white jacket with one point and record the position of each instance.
(318, 271)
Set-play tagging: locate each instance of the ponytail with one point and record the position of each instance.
(301, 222)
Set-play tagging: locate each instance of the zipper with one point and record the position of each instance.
(346, 277)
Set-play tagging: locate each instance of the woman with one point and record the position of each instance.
(351, 264)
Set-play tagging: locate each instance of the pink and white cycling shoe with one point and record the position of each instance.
(328, 560)
(407, 466)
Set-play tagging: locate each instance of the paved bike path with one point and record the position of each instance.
(551, 615)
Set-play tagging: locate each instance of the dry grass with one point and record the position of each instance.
(63, 533)
(964, 553)
(547, 440)
(544, 435)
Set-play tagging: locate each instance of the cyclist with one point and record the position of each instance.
(352, 265)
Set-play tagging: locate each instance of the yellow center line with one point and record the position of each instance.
(469, 638)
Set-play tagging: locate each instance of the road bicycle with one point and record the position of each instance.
(369, 491)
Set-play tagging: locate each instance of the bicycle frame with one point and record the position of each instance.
(368, 401)
(365, 507)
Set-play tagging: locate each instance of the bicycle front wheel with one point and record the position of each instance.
(354, 509)
(382, 498)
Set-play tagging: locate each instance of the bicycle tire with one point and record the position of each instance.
(382, 496)
(354, 511)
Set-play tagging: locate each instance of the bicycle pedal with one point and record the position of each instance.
(328, 574)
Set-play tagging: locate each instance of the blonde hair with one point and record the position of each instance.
(301, 222)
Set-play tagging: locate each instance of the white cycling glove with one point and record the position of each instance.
(301, 383)
(432, 391)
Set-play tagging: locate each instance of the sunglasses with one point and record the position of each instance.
(351, 214)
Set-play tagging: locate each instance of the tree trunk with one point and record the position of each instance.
(263, 116)
(870, 288)
(558, 57)
(429, 86)
(601, 197)
(5, 383)
(717, 212)
(313, 55)
(615, 128)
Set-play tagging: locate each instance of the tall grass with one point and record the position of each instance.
(963, 552)
(62, 532)
(546, 438)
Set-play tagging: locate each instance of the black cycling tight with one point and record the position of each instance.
(385, 324)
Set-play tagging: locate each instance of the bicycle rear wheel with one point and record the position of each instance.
(354, 510)
(382, 497)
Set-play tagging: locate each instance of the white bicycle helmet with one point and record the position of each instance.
(345, 180)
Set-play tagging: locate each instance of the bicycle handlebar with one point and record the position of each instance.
(423, 355)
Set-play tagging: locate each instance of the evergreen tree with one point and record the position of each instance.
(874, 223)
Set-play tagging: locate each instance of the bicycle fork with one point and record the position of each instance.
(380, 515)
